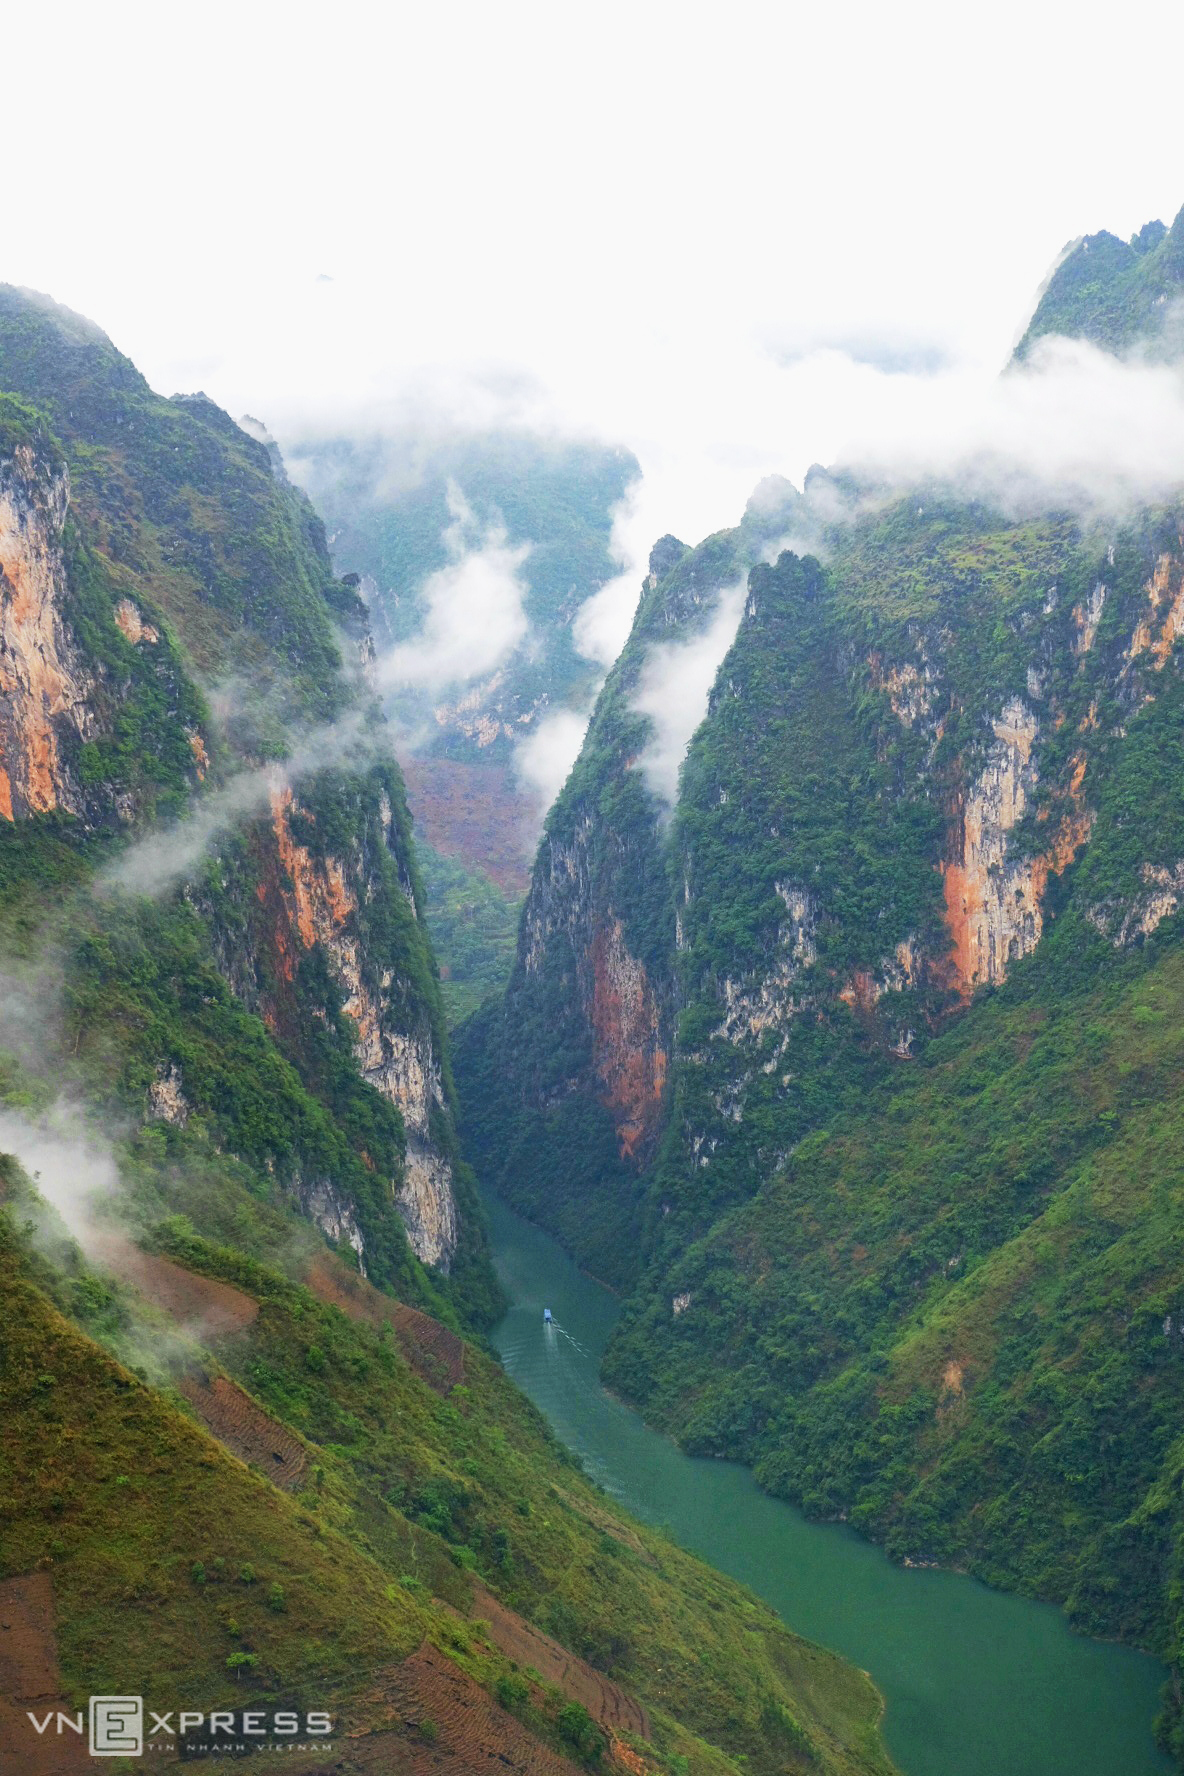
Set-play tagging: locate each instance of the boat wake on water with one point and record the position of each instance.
(552, 1325)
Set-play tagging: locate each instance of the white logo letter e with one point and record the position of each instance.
(116, 1726)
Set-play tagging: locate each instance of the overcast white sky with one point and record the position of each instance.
(653, 222)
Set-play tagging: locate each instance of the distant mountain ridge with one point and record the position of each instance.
(391, 503)
(386, 503)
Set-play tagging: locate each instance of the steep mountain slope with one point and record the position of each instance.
(249, 1461)
(905, 1219)
(565, 1082)
(177, 1560)
(173, 632)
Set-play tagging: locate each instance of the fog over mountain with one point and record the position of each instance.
(724, 292)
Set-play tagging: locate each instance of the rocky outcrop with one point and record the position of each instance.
(166, 1099)
(488, 712)
(333, 1213)
(43, 686)
(319, 896)
(751, 1008)
(910, 689)
(1159, 630)
(427, 1205)
(992, 896)
(629, 1050)
(992, 909)
(129, 620)
(1160, 893)
(618, 1003)
(1086, 617)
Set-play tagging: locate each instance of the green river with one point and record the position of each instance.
(977, 1683)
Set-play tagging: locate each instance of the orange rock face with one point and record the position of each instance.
(39, 683)
(629, 1058)
(310, 900)
(131, 624)
(1158, 632)
(318, 899)
(860, 991)
(993, 900)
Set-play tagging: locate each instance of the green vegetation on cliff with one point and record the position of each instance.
(557, 1117)
(242, 1465)
(904, 1233)
(285, 986)
(1117, 294)
(169, 1558)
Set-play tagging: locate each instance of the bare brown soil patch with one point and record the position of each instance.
(442, 1723)
(475, 814)
(436, 1354)
(246, 1430)
(608, 1704)
(329, 1279)
(30, 1682)
(208, 1309)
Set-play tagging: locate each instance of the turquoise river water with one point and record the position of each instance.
(977, 1683)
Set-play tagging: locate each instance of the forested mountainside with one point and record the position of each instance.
(565, 1081)
(401, 511)
(1118, 294)
(897, 988)
(231, 1485)
(249, 1457)
(172, 632)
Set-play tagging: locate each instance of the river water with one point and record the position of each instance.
(977, 1683)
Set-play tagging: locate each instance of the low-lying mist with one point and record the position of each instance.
(673, 689)
(1072, 428)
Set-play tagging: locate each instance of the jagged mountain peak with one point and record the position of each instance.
(665, 555)
(1117, 294)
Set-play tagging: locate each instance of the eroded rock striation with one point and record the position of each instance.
(316, 897)
(44, 685)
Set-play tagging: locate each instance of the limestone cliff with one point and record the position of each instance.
(43, 683)
(870, 826)
(255, 985)
(626, 1020)
(318, 900)
(54, 699)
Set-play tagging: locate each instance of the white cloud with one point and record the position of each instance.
(173, 853)
(673, 688)
(602, 623)
(473, 609)
(725, 302)
(1075, 426)
(68, 1159)
(677, 297)
(543, 761)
